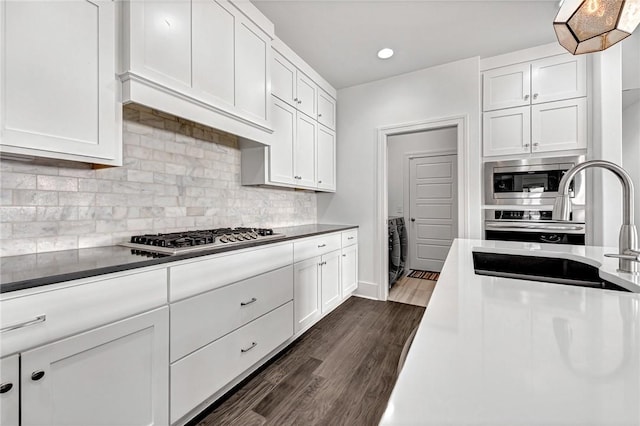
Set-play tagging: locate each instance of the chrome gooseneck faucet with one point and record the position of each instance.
(628, 241)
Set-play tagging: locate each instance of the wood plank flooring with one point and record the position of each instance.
(340, 372)
(414, 291)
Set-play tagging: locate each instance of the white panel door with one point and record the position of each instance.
(10, 391)
(506, 131)
(253, 50)
(213, 50)
(330, 279)
(283, 79)
(57, 80)
(434, 211)
(304, 165)
(306, 292)
(113, 375)
(506, 87)
(281, 151)
(558, 77)
(326, 159)
(349, 270)
(557, 126)
(165, 49)
(306, 92)
(326, 109)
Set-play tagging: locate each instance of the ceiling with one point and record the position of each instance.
(340, 39)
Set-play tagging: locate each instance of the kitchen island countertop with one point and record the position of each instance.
(500, 351)
(34, 270)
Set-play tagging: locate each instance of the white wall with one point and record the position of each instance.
(399, 146)
(443, 91)
(631, 147)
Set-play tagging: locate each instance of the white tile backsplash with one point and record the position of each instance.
(177, 175)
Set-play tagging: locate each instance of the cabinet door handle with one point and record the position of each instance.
(526, 145)
(344, 255)
(535, 96)
(526, 97)
(36, 320)
(350, 238)
(300, 101)
(295, 100)
(322, 245)
(37, 375)
(5, 387)
(536, 144)
(253, 345)
(319, 115)
(253, 300)
(319, 181)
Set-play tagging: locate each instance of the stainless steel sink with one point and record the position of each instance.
(536, 268)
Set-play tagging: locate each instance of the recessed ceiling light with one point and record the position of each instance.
(385, 53)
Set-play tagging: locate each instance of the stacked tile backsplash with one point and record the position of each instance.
(176, 175)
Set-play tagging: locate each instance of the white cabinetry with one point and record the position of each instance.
(535, 107)
(306, 293)
(116, 374)
(349, 262)
(91, 351)
(330, 280)
(303, 152)
(205, 60)
(10, 390)
(57, 79)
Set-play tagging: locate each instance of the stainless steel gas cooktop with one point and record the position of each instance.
(190, 241)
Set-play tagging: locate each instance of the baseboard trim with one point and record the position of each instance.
(367, 290)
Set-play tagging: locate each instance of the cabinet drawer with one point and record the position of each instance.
(349, 237)
(201, 374)
(77, 308)
(199, 276)
(202, 319)
(316, 246)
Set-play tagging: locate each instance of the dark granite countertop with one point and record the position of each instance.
(34, 270)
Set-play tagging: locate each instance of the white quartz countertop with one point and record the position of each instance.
(499, 351)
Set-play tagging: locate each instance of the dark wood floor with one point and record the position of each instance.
(341, 372)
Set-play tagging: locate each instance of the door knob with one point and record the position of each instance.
(413, 219)
(37, 375)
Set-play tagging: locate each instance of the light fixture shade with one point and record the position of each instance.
(585, 26)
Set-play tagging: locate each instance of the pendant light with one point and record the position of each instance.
(585, 26)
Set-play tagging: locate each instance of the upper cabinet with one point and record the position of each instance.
(538, 106)
(205, 60)
(303, 149)
(57, 79)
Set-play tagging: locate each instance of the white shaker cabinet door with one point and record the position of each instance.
(213, 50)
(283, 79)
(558, 126)
(10, 391)
(113, 375)
(306, 293)
(506, 87)
(349, 269)
(330, 279)
(306, 93)
(58, 82)
(326, 159)
(253, 56)
(305, 151)
(326, 110)
(558, 77)
(507, 131)
(281, 151)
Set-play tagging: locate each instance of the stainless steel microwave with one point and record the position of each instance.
(531, 181)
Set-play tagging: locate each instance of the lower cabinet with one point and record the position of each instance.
(115, 374)
(201, 374)
(306, 292)
(349, 269)
(330, 280)
(10, 390)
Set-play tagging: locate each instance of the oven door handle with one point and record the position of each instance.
(531, 227)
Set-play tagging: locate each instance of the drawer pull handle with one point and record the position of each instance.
(350, 238)
(253, 345)
(344, 255)
(253, 300)
(37, 375)
(322, 245)
(38, 319)
(5, 387)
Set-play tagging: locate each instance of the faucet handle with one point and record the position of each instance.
(629, 254)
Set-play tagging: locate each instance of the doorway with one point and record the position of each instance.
(441, 169)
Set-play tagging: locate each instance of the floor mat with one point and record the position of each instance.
(424, 275)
